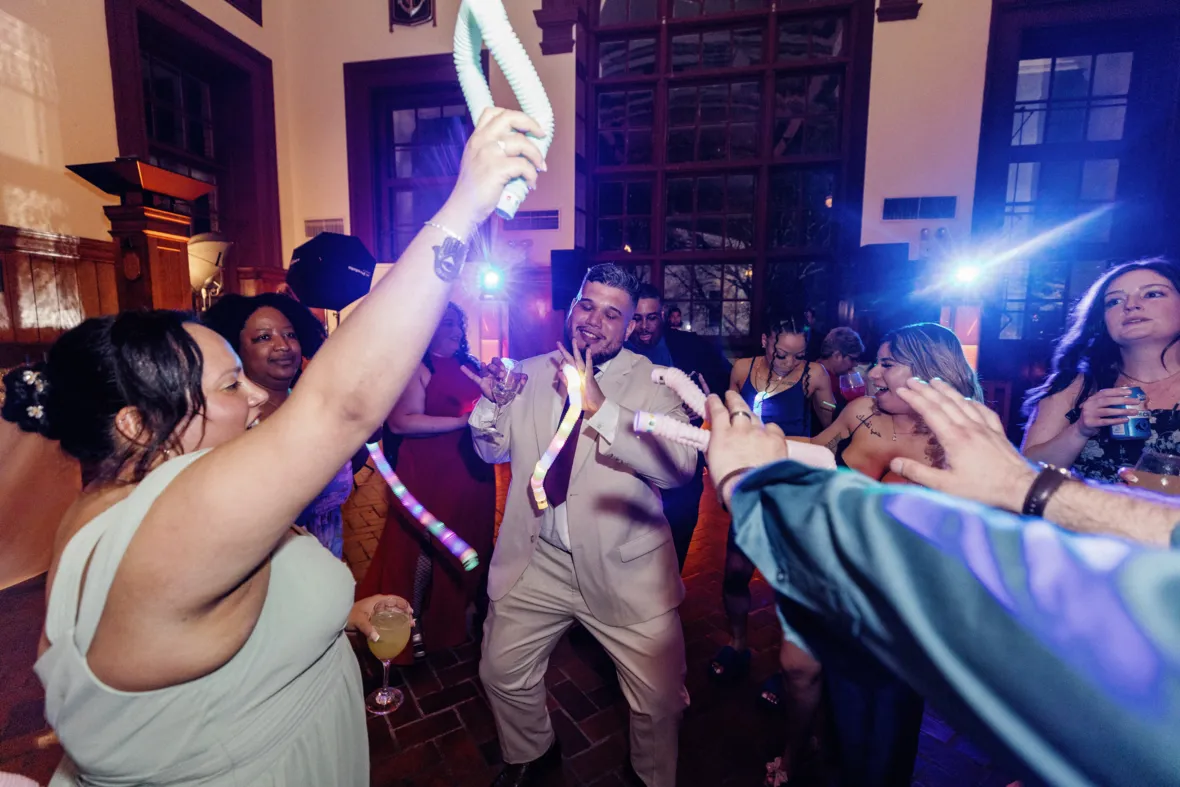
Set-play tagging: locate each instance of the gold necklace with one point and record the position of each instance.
(893, 423)
(780, 379)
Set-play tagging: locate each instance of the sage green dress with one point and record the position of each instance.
(287, 709)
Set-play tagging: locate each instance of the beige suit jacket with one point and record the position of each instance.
(620, 542)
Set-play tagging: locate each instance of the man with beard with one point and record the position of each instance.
(600, 553)
(700, 359)
(675, 319)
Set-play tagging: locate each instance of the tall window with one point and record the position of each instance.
(419, 147)
(1069, 134)
(179, 120)
(722, 134)
(419, 138)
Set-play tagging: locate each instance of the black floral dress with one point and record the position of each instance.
(1103, 455)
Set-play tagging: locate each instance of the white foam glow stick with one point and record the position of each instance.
(486, 22)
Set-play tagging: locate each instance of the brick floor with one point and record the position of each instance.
(445, 735)
(725, 739)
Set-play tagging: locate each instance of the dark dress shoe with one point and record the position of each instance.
(530, 774)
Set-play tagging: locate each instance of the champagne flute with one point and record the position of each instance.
(852, 386)
(393, 625)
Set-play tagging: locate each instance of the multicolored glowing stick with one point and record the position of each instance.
(455, 545)
(573, 384)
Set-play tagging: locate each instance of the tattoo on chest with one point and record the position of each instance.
(867, 422)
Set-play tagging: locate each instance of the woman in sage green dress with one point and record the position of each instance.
(192, 636)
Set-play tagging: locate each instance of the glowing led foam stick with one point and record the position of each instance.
(573, 384)
(455, 545)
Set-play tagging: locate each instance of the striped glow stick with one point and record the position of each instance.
(573, 384)
(455, 545)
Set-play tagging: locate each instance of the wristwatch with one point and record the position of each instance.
(449, 258)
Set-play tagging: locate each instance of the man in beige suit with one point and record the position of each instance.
(601, 553)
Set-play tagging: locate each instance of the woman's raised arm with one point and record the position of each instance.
(224, 515)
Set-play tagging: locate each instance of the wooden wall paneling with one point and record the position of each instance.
(24, 302)
(69, 295)
(6, 290)
(49, 283)
(49, 319)
(108, 288)
(87, 281)
(170, 284)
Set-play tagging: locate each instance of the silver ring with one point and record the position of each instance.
(736, 413)
(503, 147)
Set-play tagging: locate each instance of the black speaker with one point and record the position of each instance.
(331, 271)
(567, 268)
(891, 290)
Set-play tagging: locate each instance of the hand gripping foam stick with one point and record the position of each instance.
(483, 21)
(455, 545)
(663, 426)
(671, 429)
(680, 432)
(573, 384)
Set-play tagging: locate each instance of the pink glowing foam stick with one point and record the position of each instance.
(455, 545)
(681, 385)
(573, 384)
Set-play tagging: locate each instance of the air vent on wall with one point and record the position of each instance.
(532, 220)
(913, 208)
(313, 227)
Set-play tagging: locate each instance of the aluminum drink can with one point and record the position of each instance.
(1138, 425)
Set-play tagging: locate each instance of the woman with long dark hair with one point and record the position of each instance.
(273, 335)
(191, 635)
(1124, 333)
(438, 464)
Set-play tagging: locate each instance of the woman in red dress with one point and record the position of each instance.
(438, 464)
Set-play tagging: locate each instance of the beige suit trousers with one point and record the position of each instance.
(521, 632)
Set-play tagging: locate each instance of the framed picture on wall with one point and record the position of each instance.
(410, 13)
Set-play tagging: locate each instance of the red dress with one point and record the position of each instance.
(453, 483)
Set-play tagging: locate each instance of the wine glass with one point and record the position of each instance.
(1158, 472)
(393, 627)
(852, 386)
(503, 392)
